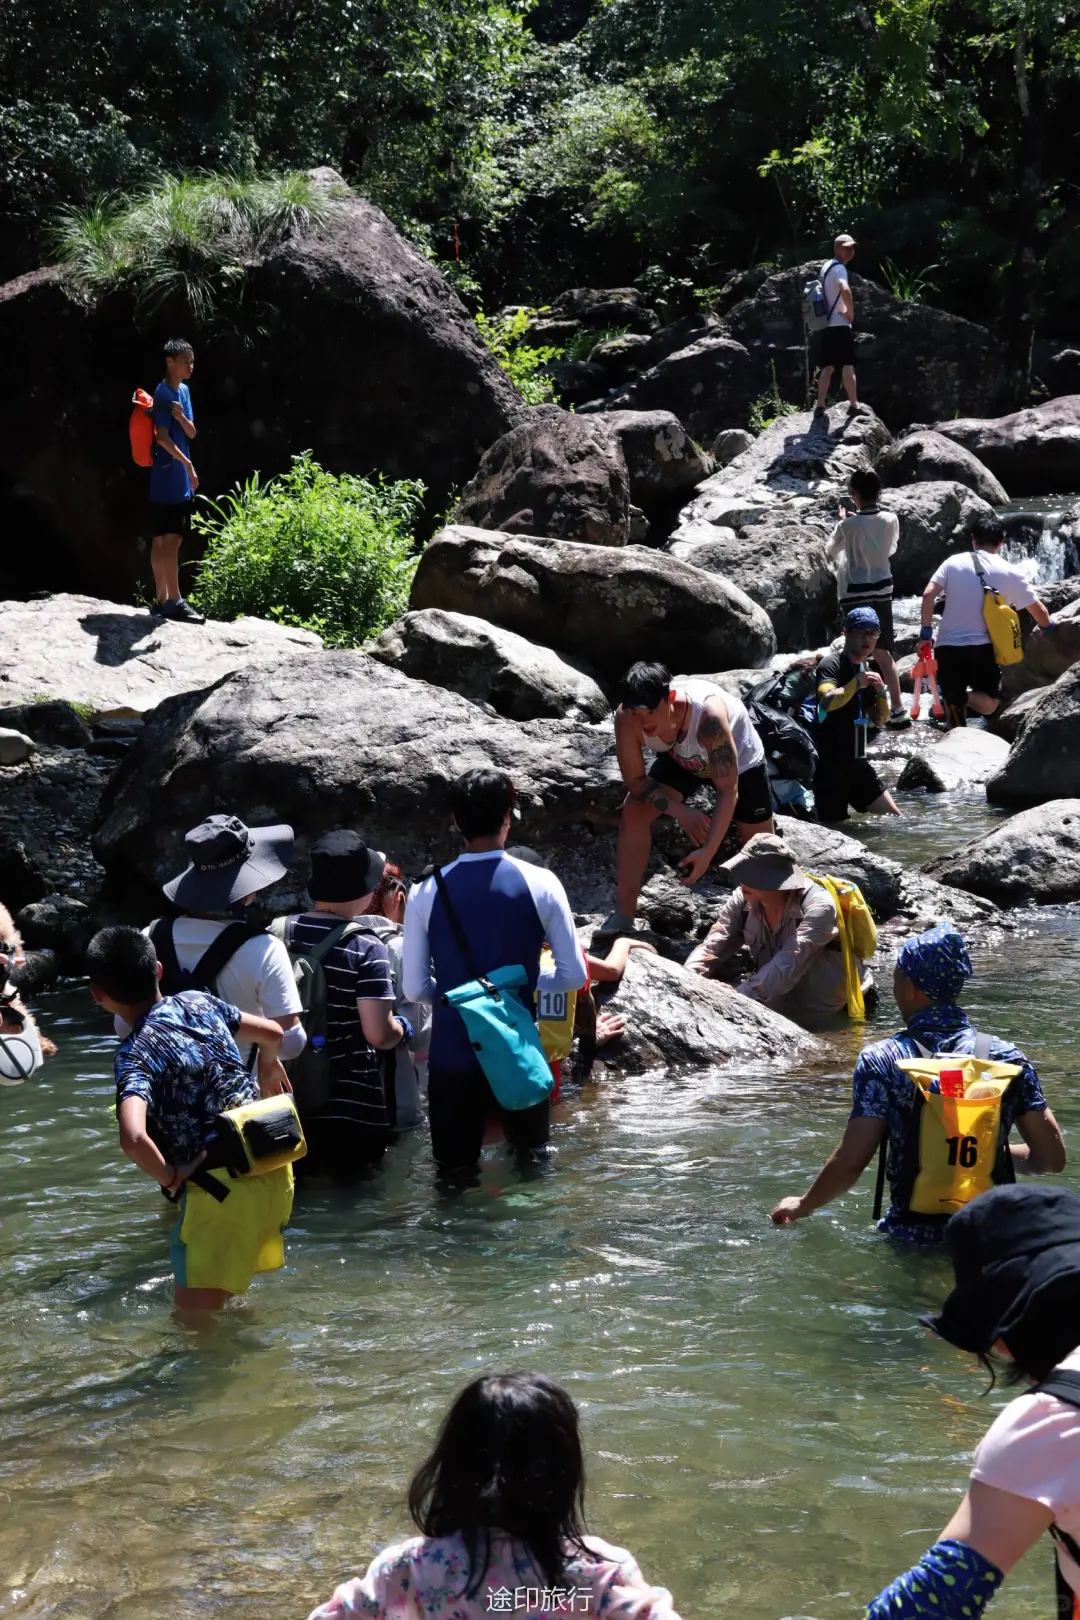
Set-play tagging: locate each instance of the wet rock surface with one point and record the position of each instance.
(965, 757)
(1043, 763)
(1032, 857)
(1031, 451)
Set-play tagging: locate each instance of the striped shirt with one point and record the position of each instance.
(357, 969)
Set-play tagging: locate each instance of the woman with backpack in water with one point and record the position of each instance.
(1016, 1252)
(500, 1507)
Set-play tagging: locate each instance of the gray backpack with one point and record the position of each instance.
(816, 307)
(309, 1073)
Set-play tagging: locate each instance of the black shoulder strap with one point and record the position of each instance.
(1062, 1383)
(455, 924)
(879, 1190)
(204, 973)
(161, 938)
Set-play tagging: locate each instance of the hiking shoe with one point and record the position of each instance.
(899, 720)
(819, 411)
(617, 923)
(854, 410)
(955, 716)
(182, 612)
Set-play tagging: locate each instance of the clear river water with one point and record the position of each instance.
(768, 1427)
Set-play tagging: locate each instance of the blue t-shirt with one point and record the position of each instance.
(183, 1062)
(169, 481)
(882, 1091)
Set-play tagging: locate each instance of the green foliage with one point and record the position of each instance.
(328, 553)
(188, 236)
(770, 406)
(523, 365)
(582, 344)
(909, 286)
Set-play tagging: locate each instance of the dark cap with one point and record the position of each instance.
(343, 867)
(228, 861)
(1016, 1253)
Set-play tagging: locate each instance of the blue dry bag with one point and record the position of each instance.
(500, 1027)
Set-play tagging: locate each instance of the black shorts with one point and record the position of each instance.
(967, 669)
(837, 346)
(170, 517)
(882, 606)
(840, 782)
(753, 802)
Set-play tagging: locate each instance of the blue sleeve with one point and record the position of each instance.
(225, 1010)
(952, 1582)
(134, 1076)
(161, 415)
(1026, 1091)
(871, 1084)
(185, 400)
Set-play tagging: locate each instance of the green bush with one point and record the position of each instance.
(523, 365)
(190, 234)
(329, 553)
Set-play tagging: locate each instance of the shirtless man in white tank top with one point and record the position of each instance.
(698, 734)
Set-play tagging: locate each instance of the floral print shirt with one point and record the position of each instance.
(183, 1062)
(425, 1579)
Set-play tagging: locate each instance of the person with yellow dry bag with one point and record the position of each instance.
(938, 1101)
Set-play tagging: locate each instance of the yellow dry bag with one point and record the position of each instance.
(258, 1137)
(959, 1137)
(1002, 621)
(555, 1011)
(858, 935)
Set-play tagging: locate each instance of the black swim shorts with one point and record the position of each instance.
(967, 669)
(882, 606)
(837, 346)
(753, 803)
(170, 517)
(839, 783)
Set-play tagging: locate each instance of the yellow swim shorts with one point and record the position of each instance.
(223, 1245)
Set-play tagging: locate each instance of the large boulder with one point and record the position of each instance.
(913, 360)
(710, 384)
(1009, 721)
(661, 457)
(108, 656)
(1044, 761)
(677, 1022)
(935, 521)
(1034, 856)
(924, 456)
(324, 740)
(801, 454)
(1031, 451)
(355, 346)
(607, 607)
(963, 758)
(489, 665)
(782, 566)
(554, 474)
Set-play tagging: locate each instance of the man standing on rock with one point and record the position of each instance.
(851, 703)
(968, 673)
(700, 734)
(173, 481)
(838, 338)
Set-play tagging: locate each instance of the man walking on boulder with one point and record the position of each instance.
(838, 338)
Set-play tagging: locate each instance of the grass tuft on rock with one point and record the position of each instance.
(326, 552)
(189, 235)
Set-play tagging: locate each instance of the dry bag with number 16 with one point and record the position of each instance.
(501, 1029)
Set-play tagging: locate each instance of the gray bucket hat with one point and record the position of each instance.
(228, 861)
(765, 862)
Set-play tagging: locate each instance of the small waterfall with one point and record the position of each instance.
(1040, 550)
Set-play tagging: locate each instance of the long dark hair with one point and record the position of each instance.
(508, 1458)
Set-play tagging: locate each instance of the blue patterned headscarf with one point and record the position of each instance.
(936, 962)
(862, 618)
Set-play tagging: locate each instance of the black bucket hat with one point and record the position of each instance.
(344, 868)
(228, 861)
(1016, 1253)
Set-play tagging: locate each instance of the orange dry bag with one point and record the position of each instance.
(141, 428)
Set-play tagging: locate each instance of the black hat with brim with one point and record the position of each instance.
(1016, 1253)
(228, 861)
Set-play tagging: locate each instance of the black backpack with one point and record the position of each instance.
(788, 745)
(203, 976)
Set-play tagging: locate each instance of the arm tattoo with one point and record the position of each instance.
(723, 759)
(659, 800)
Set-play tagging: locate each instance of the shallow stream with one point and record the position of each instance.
(768, 1427)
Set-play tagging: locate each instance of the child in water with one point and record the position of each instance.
(500, 1502)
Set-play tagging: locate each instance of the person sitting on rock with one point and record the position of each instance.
(700, 734)
(931, 971)
(354, 1128)
(861, 545)
(787, 923)
(968, 673)
(851, 701)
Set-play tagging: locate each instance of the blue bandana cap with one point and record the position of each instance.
(936, 962)
(862, 618)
